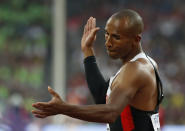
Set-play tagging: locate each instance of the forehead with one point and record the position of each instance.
(117, 26)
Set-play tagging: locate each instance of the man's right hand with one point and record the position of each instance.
(89, 36)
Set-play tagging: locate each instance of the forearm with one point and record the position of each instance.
(96, 82)
(93, 113)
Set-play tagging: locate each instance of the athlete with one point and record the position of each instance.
(129, 101)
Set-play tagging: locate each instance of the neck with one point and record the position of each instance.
(131, 54)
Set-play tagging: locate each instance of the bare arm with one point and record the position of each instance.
(124, 90)
(94, 113)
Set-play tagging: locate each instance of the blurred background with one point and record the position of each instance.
(38, 35)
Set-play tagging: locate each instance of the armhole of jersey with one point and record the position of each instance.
(159, 86)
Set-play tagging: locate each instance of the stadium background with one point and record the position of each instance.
(26, 53)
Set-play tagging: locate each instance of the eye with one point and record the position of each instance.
(117, 37)
(106, 33)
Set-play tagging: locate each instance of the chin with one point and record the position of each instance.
(113, 56)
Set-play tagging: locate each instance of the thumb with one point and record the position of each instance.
(52, 92)
(94, 31)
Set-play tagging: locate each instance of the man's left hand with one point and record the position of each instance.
(53, 107)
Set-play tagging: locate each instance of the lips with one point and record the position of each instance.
(111, 50)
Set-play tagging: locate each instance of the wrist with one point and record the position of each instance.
(89, 60)
(63, 108)
(88, 52)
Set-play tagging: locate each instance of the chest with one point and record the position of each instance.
(112, 83)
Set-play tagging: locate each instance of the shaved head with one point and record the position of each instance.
(123, 33)
(133, 23)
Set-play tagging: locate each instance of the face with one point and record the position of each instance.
(117, 39)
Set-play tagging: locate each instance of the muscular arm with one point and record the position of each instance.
(96, 83)
(123, 91)
(102, 113)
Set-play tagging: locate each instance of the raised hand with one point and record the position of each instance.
(53, 107)
(89, 36)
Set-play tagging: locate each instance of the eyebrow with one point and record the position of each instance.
(115, 35)
(104, 30)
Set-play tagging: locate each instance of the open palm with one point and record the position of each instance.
(53, 107)
(89, 34)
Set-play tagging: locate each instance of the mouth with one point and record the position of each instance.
(112, 53)
(110, 50)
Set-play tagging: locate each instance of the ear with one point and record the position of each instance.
(138, 38)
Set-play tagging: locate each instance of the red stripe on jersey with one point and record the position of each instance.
(127, 119)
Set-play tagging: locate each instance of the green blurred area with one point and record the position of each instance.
(24, 38)
(3, 92)
(15, 18)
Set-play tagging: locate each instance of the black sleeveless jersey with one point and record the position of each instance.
(132, 119)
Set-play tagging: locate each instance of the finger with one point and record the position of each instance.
(40, 116)
(44, 104)
(91, 23)
(94, 23)
(41, 105)
(38, 112)
(88, 24)
(85, 28)
(52, 92)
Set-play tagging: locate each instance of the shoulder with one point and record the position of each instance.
(153, 62)
(137, 72)
(134, 68)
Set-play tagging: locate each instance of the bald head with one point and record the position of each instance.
(132, 21)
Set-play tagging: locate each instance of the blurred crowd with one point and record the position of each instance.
(25, 36)
(25, 53)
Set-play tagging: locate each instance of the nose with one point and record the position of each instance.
(108, 42)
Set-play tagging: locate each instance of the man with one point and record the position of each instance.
(129, 101)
